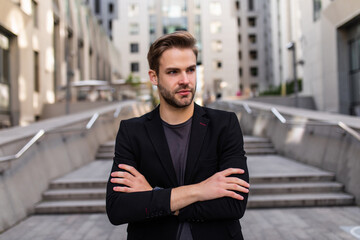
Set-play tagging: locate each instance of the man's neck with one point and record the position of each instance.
(173, 116)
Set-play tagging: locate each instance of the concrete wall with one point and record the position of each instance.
(324, 146)
(23, 181)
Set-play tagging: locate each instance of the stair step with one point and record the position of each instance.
(75, 194)
(300, 200)
(258, 145)
(105, 155)
(108, 144)
(78, 183)
(73, 206)
(287, 178)
(296, 187)
(260, 151)
(252, 139)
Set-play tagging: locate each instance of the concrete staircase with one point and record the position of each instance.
(275, 182)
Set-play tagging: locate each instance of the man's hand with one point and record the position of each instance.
(221, 185)
(217, 186)
(132, 179)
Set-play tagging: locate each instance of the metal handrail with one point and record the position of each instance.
(283, 120)
(41, 132)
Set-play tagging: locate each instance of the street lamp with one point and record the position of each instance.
(291, 46)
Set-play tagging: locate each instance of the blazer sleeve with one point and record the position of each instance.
(132, 207)
(232, 156)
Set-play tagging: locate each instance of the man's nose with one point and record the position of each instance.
(184, 78)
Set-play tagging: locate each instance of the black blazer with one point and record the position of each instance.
(216, 143)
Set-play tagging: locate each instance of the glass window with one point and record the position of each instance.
(134, 47)
(36, 72)
(111, 8)
(253, 54)
(252, 38)
(134, 28)
(215, 8)
(217, 64)
(110, 25)
(240, 72)
(316, 9)
(354, 55)
(135, 67)
(97, 7)
(239, 38)
(240, 55)
(237, 4)
(251, 5)
(254, 71)
(35, 13)
(215, 27)
(216, 46)
(252, 21)
(133, 10)
(239, 21)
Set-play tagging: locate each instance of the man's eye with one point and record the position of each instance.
(172, 72)
(191, 70)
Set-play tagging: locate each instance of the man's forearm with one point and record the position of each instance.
(183, 196)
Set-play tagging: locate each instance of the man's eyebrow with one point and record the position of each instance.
(192, 66)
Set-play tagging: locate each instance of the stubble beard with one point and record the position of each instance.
(170, 97)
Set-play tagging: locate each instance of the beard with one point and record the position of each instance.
(170, 97)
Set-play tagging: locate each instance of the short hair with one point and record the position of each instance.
(178, 39)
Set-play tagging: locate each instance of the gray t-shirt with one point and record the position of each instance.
(178, 137)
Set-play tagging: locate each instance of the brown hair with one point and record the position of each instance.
(179, 39)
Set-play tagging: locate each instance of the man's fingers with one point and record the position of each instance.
(231, 171)
(123, 181)
(122, 175)
(237, 188)
(234, 195)
(122, 189)
(237, 181)
(130, 169)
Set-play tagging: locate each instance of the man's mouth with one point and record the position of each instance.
(184, 92)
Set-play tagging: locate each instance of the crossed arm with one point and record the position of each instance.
(219, 185)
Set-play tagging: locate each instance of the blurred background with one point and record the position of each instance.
(57, 56)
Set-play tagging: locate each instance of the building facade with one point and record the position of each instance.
(45, 45)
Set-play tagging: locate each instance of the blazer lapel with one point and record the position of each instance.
(158, 139)
(198, 132)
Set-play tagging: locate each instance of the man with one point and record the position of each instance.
(179, 172)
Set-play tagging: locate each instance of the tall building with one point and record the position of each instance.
(106, 11)
(140, 24)
(44, 46)
(331, 54)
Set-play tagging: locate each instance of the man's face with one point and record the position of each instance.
(176, 80)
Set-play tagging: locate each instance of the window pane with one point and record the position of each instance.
(134, 28)
(135, 67)
(354, 55)
(216, 46)
(215, 27)
(215, 8)
(134, 47)
(133, 10)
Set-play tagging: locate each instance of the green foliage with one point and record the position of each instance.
(133, 80)
(276, 90)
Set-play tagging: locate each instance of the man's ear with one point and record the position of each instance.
(153, 77)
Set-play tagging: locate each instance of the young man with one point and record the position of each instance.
(180, 171)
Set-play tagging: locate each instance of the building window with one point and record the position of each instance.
(133, 10)
(217, 65)
(4, 75)
(215, 8)
(252, 38)
(354, 47)
(240, 72)
(36, 72)
(251, 5)
(135, 67)
(110, 25)
(237, 4)
(240, 55)
(239, 21)
(134, 47)
(215, 27)
(252, 21)
(97, 7)
(134, 28)
(216, 46)
(239, 38)
(253, 54)
(317, 9)
(254, 71)
(111, 8)
(35, 14)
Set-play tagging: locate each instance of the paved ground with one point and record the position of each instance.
(272, 224)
